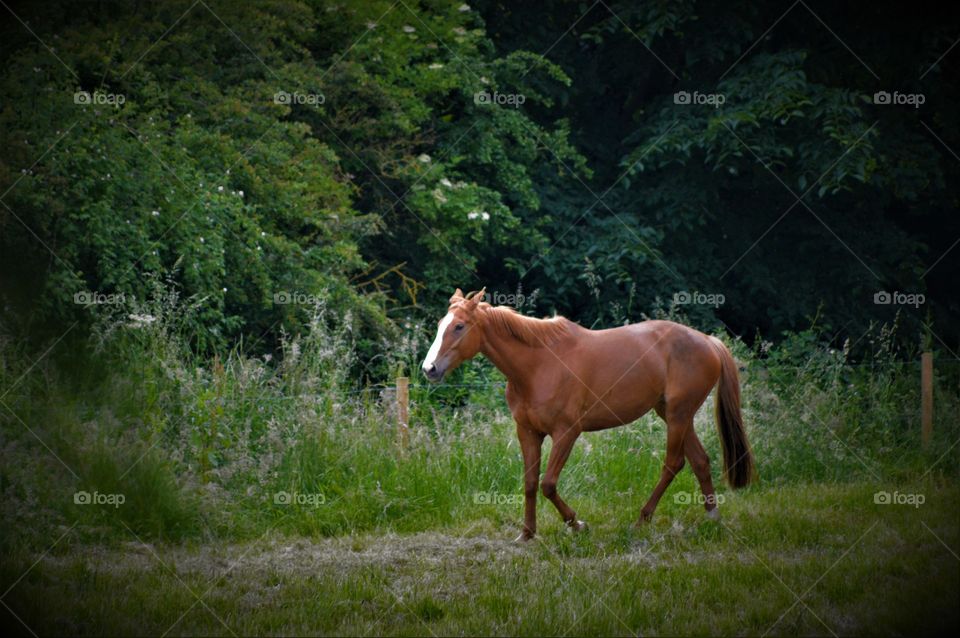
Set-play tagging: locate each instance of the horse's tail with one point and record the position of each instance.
(738, 467)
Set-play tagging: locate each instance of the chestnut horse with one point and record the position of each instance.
(563, 379)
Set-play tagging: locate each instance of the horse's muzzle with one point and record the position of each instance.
(432, 372)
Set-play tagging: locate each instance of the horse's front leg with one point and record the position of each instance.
(563, 440)
(531, 443)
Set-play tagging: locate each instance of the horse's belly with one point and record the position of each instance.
(604, 417)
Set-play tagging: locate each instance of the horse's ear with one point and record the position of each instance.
(475, 298)
(458, 295)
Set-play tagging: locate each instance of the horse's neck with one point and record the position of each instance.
(515, 359)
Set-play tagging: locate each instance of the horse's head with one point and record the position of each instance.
(456, 340)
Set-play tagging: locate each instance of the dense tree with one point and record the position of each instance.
(374, 155)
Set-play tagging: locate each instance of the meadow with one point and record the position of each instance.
(150, 492)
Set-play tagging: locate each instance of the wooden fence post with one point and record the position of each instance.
(926, 398)
(403, 411)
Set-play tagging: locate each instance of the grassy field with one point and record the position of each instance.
(782, 561)
(180, 497)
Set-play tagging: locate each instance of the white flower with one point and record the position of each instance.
(446, 182)
(155, 213)
(240, 193)
(460, 31)
(140, 321)
(202, 241)
(371, 25)
(220, 188)
(463, 8)
(408, 29)
(439, 196)
(436, 65)
(423, 157)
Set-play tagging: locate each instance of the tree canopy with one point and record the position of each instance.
(600, 159)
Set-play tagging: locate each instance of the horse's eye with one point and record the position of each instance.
(459, 327)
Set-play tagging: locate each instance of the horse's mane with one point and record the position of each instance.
(528, 330)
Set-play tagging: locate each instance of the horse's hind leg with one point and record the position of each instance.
(678, 430)
(700, 464)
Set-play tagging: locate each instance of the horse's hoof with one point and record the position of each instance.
(714, 514)
(524, 537)
(577, 526)
(644, 520)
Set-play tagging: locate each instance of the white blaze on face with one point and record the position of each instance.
(435, 348)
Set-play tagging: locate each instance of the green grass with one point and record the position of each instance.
(856, 567)
(280, 499)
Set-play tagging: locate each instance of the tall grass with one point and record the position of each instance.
(248, 442)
